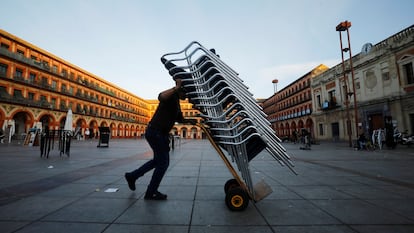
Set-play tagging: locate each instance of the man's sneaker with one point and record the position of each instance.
(130, 180)
(155, 196)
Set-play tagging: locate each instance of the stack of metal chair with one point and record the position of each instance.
(235, 120)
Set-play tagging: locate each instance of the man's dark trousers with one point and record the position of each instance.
(159, 143)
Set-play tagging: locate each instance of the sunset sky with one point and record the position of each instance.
(122, 41)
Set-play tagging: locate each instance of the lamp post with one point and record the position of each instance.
(274, 102)
(344, 27)
(275, 81)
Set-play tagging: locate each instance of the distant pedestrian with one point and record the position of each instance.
(306, 140)
(87, 133)
(172, 141)
(1, 136)
(295, 136)
(362, 142)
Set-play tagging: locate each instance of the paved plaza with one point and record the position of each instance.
(337, 189)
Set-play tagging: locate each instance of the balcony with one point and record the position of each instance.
(329, 105)
(45, 104)
(4, 94)
(45, 66)
(19, 78)
(21, 58)
(19, 99)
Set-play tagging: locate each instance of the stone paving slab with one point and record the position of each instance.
(337, 189)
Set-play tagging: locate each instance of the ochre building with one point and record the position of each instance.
(289, 110)
(38, 88)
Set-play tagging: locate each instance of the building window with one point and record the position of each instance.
(63, 88)
(78, 108)
(3, 45)
(409, 73)
(32, 78)
(53, 103)
(332, 97)
(43, 98)
(3, 91)
(45, 65)
(385, 74)
(321, 129)
(3, 68)
(54, 84)
(31, 96)
(18, 94)
(19, 73)
(64, 73)
(44, 82)
(318, 99)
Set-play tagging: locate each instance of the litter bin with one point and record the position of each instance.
(104, 133)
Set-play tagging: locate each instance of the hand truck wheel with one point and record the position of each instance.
(230, 184)
(237, 199)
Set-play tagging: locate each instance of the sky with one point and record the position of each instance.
(122, 41)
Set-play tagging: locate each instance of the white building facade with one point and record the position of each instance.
(384, 89)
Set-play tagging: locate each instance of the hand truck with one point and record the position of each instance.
(234, 122)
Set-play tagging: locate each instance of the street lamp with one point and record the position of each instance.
(275, 81)
(344, 27)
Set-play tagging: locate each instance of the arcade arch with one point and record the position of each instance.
(23, 121)
(47, 121)
(93, 128)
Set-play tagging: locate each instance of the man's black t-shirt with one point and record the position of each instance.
(168, 112)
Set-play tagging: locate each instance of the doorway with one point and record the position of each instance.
(335, 131)
(376, 121)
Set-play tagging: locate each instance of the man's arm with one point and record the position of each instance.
(169, 92)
